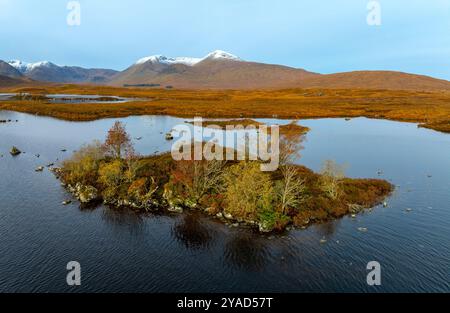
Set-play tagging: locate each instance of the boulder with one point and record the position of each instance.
(264, 227)
(175, 209)
(169, 136)
(15, 151)
(87, 194)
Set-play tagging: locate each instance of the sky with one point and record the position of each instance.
(324, 36)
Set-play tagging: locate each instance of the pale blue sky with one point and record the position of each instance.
(323, 35)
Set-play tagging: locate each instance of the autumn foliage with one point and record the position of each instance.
(237, 190)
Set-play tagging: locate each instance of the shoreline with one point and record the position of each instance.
(355, 196)
(428, 109)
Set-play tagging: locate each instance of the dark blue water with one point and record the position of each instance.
(121, 251)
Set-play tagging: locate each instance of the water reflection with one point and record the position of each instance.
(193, 232)
(247, 251)
(328, 229)
(123, 218)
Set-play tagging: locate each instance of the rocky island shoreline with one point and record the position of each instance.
(235, 192)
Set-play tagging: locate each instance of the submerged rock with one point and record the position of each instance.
(362, 229)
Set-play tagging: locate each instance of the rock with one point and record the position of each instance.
(385, 204)
(408, 210)
(15, 151)
(323, 240)
(37, 155)
(353, 215)
(348, 119)
(175, 209)
(228, 216)
(138, 138)
(362, 229)
(190, 204)
(87, 194)
(39, 169)
(50, 165)
(169, 136)
(219, 215)
(63, 150)
(67, 202)
(264, 227)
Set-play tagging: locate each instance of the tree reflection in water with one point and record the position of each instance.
(193, 232)
(247, 251)
(328, 229)
(124, 218)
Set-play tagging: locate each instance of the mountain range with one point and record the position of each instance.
(49, 72)
(217, 70)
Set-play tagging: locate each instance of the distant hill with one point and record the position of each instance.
(218, 70)
(376, 80)
(6, 81)
(50, 72)
(9, 71)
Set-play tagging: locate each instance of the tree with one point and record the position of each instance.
(331, 176)
(118, 141)
(292, 187)
(111, 177)
(198, 178)
(82, 167)
(249, 191)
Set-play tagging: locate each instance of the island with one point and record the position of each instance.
(235, 192)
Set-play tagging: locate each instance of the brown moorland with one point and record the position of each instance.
(428, 108)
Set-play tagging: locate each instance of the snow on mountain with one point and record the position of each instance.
(25, 67)
(219, 54)
(167, 60)
(216, 55)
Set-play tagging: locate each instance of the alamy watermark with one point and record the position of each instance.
(74, 16)
(235, 142)
(73, 277)
(374, 276)
(374, 14)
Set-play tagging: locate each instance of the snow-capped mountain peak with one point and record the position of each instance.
(167, 60)
(215, 55)
(219, 54)
(25, 67)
